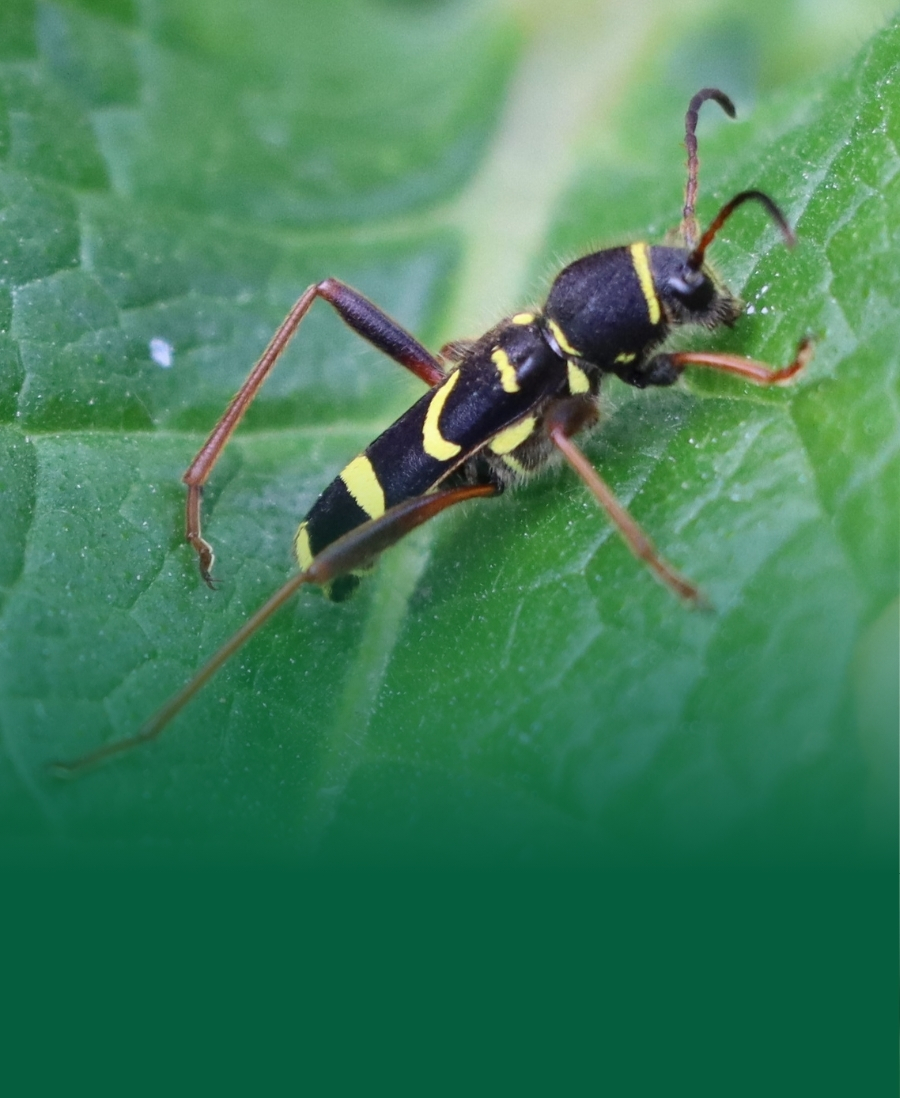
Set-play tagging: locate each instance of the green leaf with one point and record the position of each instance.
(510, 684)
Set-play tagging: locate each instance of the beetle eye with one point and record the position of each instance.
(695, 294)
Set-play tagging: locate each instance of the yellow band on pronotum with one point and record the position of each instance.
(641, 260)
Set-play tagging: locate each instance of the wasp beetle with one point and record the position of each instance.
(497, 408)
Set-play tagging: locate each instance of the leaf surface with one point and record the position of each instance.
(510, 685)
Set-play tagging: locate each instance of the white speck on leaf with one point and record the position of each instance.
(162, 352)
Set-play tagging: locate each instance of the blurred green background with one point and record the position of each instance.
(510, 687)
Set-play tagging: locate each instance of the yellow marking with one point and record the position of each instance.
(564, 344)
(513, 436)
(363, 484)
(578, 379)
(625, 358)
(302, 548)
(641, 260)
(515, 465)
(507, 371)
(433, 442)
(523, 318)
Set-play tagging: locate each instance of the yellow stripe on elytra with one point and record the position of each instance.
(558, 335)
(578, 379)
(433, 442)
(507, 371)
(513, 436)
(625, 358)
(302, 548)
(363, 484)
(523, 318)
(641, 259)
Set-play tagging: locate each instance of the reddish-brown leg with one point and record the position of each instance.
(757, 372)
(565, 420)
(355, 549)
(359, 314)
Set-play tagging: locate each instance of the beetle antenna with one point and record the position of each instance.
(689, 230)
(695, 259)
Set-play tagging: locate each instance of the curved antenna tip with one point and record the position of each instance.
(689, 227)
(718, 96)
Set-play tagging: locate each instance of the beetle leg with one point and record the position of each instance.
(564, 420)
(358, 313)
(353, 550)
(757, 372)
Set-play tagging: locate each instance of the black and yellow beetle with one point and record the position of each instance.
(497, 408)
